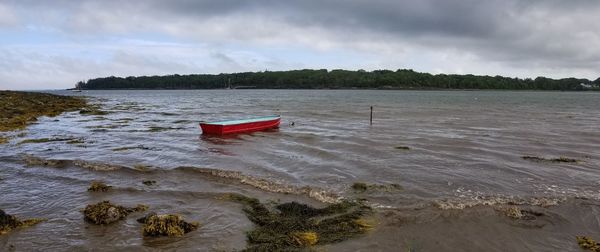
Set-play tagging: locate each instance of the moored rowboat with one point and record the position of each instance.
(240, 126)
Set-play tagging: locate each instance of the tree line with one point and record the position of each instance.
(337, 79)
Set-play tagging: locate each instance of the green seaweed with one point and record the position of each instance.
(105, 213)
(97, 186)
(292, 226)
(9, 222)
(20, 109)
(166, 225)
(588, 243)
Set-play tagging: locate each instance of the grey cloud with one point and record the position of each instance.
(519, 34)
(500, 29)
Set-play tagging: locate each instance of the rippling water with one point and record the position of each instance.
(465, 150)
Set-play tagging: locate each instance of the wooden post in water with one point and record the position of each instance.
(371, 118)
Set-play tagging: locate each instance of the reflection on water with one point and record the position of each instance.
(465, 151)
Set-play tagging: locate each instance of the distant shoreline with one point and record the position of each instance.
(344, 89)
(402, 79)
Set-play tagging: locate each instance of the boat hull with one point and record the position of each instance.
(224, 128)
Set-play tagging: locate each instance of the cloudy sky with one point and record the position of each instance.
(53, 44)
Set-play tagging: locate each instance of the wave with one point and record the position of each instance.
(263, 184)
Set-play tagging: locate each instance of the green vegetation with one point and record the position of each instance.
(338, 79)
(166, 225)
(588, 244)
(105, 213)
(18, 109)
(98, 187)
(9, 222)
(293, 226)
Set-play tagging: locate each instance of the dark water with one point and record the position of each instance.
(463, 167)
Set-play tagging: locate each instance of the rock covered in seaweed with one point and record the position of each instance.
(588, 244)
(363, 187)
(166, 225)
(105, 213)
(291, 226)
(9, 222)
(97, 186)
(22, 108)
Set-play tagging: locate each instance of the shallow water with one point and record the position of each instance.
(463, 163)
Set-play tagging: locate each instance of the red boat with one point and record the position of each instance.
(240, 126)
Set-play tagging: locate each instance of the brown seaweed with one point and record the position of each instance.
(588, 244)
(554, 160)
(292, 226)
(363, 187)
(149, 182)
(22, 108)
(97, 186)
(9, 222)
(46, 140)
(166, 225)
(105, 213)
(139, 147)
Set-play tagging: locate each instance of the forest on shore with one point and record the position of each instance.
(337, 79)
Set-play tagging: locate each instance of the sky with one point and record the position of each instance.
(54, 44)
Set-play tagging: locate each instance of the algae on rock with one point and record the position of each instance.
(22, 108)
(98, 187)
(9, 222)
(291, 226)
(166, 225)
(588, 244)
(363, 187)
(105, 213)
